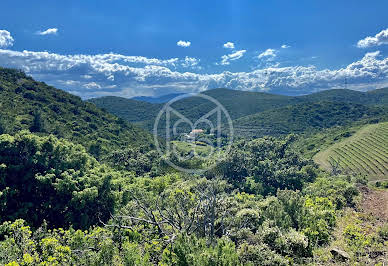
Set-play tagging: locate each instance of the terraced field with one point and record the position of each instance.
(366, 152)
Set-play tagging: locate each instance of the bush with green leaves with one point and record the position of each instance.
(43, 178)
(263, 166)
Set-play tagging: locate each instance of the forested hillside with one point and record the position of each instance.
(139, 111)
(258, 114)
(237, 103)
(35, 106)
(374, 97)
(306, 117)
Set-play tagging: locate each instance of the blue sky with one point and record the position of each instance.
(129, 48)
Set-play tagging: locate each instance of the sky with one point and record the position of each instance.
(95, 48)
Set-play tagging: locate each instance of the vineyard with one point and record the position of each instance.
(366, 153)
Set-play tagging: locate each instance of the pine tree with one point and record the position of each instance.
(38, 124)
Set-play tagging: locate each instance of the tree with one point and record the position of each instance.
(197, 207)
(38, 123)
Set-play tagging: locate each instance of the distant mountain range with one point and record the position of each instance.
(160, 99)
(258, 113)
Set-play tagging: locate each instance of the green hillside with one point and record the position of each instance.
(366, 152)
(237, 103)
(258, 113)
(305, 117)
(374, 97)
(128, 109)
(35, 106)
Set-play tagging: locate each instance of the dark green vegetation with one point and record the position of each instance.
(43, 178)
(306, 117)
(139, 111)
(76, 194)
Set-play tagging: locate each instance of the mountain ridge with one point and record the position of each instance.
(43, 109)
(239, 104)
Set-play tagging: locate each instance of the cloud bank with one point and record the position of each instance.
(127, 76)
(377, 40)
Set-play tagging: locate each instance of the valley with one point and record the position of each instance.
(302, 179)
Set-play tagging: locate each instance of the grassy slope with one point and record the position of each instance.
(63, 115)
(187, 148)
(366, 152)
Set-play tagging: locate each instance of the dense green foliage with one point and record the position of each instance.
(174, 220)
(43, 178)
(265, 165)
(139, 111)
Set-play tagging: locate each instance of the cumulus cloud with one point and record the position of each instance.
(6, 39)
(231, 57)
(183, 43)
(92, 85)
(269, 53)
(51, 31)
(190, 62)
(285, 46)
(113, 74)
(229, 45)
(377, 40)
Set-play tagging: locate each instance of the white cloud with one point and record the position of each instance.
(233, 56)
(377, 40)
(285, 46)
(6, 39)
(92, 85)
(190, 62)
(112, 75)
(229, 45)
(51, 31)
(183, 43)
(268, 53)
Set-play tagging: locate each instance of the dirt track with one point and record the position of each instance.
(375, 202)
